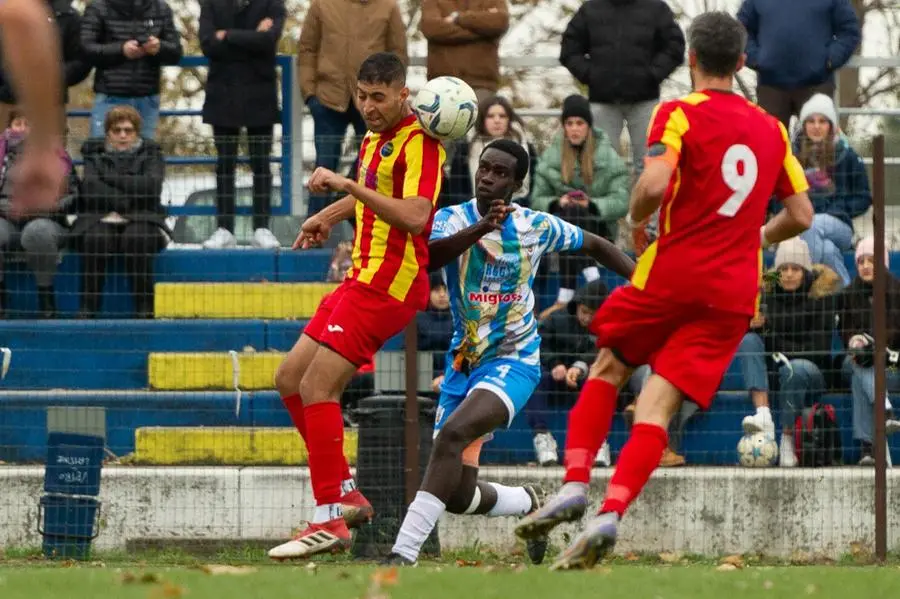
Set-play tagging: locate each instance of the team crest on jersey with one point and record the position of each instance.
(387, 149)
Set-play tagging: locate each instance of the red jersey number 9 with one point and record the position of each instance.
(739, 172)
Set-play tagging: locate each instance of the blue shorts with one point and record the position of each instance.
(510, 379)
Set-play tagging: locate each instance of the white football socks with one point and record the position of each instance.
(326, 512)
(511, 501)
(421, 518)
(348, 486)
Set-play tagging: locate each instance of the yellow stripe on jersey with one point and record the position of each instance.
(694, 98)
(676, 185)
(676, 126)
(415, 154)
(403, 281)
(644, 264)
(791, 165)
(366, 158)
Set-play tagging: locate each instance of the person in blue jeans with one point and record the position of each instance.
(791, 336)
(856, 328)
(838, 184)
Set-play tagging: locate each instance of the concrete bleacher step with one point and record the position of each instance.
(177, 371)
(238, 446)
(239, 300)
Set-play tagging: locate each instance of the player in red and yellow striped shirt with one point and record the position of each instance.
(393, 200)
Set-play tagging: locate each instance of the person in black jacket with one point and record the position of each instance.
(127, 42)
(240, 38)
(75, 67)
(857, 332)
(567, 350)
(794, 328)
(119, 210)
(622, 50)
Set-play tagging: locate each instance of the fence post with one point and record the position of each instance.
(411, 420)
(880, 332)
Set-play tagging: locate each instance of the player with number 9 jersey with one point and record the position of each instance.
(729, 157)
(695, 288)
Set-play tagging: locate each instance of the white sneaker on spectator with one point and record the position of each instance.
(787, 458)
(761, 422)
(603, 456)
(221, 239)
(891, 427)
(265, 239)
(546, 449)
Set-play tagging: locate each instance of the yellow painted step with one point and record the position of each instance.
(186, 371)
(239, 300)
(231, 446)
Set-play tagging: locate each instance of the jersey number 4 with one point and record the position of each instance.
(739, 172)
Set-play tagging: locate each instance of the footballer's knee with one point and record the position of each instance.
(657, 403)
(450, 442)
(287, 379)
(609, 368)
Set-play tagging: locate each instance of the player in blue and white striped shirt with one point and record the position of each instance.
(490, 250)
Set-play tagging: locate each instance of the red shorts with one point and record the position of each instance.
(689, 345)
(356, 320)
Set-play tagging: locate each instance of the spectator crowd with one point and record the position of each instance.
(814, 328)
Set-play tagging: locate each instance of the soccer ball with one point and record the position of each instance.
(446, 108)
(758, 450)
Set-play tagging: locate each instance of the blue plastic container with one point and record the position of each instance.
(73, 464)
(69, 524)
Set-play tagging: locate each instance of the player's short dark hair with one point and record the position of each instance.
(382, 67)
(718, 40)
(515, 150)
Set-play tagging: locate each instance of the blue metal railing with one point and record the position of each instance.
(283, 62)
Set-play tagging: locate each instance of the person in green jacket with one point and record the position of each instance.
(581, 178)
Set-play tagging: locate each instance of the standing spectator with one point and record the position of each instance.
(856, 327)
(75, 67)
(795, 328)
(795, 48)
(464, 41)
(838, 183)
(567, 350)
(622, 50)
(119, 211)
(40, 237)
(581, 179)
(337, 36)
(497, 119)
(128, 42)
(241, 39)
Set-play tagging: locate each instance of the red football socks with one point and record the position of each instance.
(638, 460)
(589, 423)
(294, 405)
(325, 442)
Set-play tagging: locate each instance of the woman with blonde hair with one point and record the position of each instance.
(583, 180)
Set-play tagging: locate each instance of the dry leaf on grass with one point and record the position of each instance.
(669, 557)
(464, 563)
(385, 577)
(145, 578)
(631, 556)
(167, 591)
(343, 575)
(67, 563)
(726, 568)
(216, 569)
(735, 560)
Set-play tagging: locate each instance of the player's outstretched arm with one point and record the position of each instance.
(795, 218)
(31, 49)
(444, 250)
(407, 214)
(607, 254)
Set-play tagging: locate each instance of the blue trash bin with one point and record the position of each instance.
(69, 524)
(69, 509)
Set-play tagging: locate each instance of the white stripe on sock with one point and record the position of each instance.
(511, 501)
(476, 501)
(421, 518)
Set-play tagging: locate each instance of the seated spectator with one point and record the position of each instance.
(497, 120)
(581, 179)
(435, 329)
(839, 186)
(567, 350)
(241, 40)
(671, 458)
(855, 317)
(119, 210)
(39, 237)
(794, 327)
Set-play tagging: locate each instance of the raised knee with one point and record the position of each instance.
(37, 237)
(450, 442)
(609, 368)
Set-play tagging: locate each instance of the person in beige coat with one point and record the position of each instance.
(336, 37)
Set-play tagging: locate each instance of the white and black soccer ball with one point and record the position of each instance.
(759, 450)
(446, 107)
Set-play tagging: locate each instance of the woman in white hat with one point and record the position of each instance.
(839, 186)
